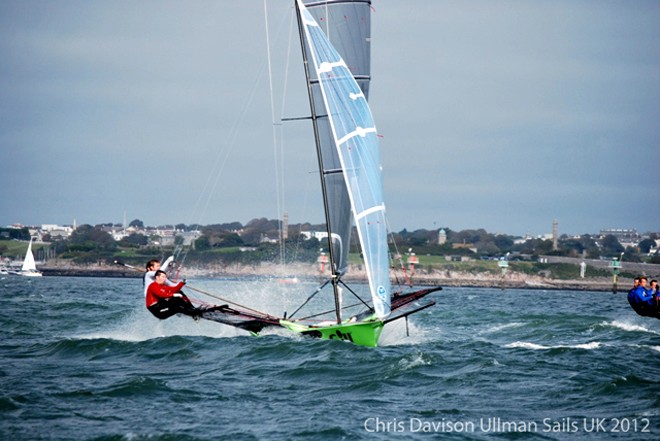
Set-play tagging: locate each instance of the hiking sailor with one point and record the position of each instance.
(164, 301)
(150, 275)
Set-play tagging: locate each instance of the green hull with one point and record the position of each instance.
(364, 333)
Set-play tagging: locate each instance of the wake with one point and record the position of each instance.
(630, 327)
(140, 325)
(534, 346)
(394, 334)
(497, 328)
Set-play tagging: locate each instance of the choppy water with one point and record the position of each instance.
(82, 359)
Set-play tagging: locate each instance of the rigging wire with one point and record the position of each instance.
(276, 147)
(291, 41)
(299, 236)
(201, 207)
(397, 253)
(277, 127)
(213, 178)
(227, 301)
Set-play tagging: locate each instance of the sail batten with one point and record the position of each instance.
(370, 211)
(352, 143)
(359, 131)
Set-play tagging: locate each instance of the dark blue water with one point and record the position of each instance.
(81, 359)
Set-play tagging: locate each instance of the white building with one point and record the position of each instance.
(318, 235)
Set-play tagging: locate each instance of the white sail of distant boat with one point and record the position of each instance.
(29, 267)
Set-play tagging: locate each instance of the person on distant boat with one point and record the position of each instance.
(635, 283)
(164, 301)
(655, 290)
(642, 300)
(150, 275)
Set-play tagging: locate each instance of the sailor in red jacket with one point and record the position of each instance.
(164, 301)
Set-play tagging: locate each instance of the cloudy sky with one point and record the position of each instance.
(501, 115)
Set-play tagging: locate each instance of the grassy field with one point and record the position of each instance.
(15, 249)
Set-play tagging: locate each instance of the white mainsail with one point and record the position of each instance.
(355, 139)
(29, 267)
(29, 263)
(347, 25)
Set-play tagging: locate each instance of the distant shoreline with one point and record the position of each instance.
(512, 280)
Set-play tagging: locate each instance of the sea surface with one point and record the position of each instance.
(81, 359)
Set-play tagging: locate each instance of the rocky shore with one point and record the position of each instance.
(512, 280)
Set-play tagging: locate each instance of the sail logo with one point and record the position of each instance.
(355, 96)
(382, 293)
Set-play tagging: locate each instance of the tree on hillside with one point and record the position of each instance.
(202, 244)
(470, 236)
(219, 228)
(646, 245)
(572, 247)
(225, 239)
(611, 246)
(136, 223)
(88, 238)
(257, 228)
(15, 233)
(232, 226)
(535, 247)
(134, 240)
(263, 224)
(503, 242)
(417, 238)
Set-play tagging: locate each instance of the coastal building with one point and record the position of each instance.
(466, 246)
(626, 237)
(118, 232)
(189, 236)
(166, 236)
(318, 235)
(265, 239)
(442, 237)
(622, 234)
(57, 232)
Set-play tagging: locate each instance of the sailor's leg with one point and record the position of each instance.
(162, 310)
(184, 306)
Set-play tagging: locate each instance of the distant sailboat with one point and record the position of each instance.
(29, 267)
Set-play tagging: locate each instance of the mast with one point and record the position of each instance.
(335, 276)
